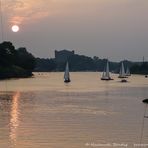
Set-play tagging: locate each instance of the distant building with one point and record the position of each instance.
(63, 55)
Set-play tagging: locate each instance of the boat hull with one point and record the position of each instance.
(106, 79)
(122, 77)
(67, 81)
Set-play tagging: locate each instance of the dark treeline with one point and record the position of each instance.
(45, 65)
(140, 68)
(84, 63)
(15, 62)
(78, 63)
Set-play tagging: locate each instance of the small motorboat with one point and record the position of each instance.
(123, 80)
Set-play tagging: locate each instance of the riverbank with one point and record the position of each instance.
(14, 72)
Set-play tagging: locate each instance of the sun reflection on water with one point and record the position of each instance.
(14, 115)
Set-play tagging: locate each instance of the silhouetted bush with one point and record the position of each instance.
(15, 63)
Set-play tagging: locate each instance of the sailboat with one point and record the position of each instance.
(128, 72)
(106, 75)
(66, 74)
(122, 73)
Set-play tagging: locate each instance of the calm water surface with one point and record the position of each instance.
(43, 112)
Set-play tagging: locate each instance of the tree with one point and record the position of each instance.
(7, 54)
(25, 59)
(45, 65)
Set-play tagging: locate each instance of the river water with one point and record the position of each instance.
(44, 112)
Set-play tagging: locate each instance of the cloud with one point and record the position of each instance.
(22, 11)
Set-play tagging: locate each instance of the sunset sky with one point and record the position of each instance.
(117, 29)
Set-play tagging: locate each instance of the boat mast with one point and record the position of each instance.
(1, 22)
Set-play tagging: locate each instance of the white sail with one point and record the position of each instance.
(103, 75)
(106, 75)
(128, 72)
(122, 73)
(107, 70)
(66, 74)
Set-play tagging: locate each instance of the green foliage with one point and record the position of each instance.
(20, 63)
(140, 68)
(77, 63)
(44, 65)
(81, 63)
(7, 54)
(25, 60)
(15, 63)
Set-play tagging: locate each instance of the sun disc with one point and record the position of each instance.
(15, 28)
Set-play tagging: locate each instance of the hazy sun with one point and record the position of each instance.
(15, 28)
